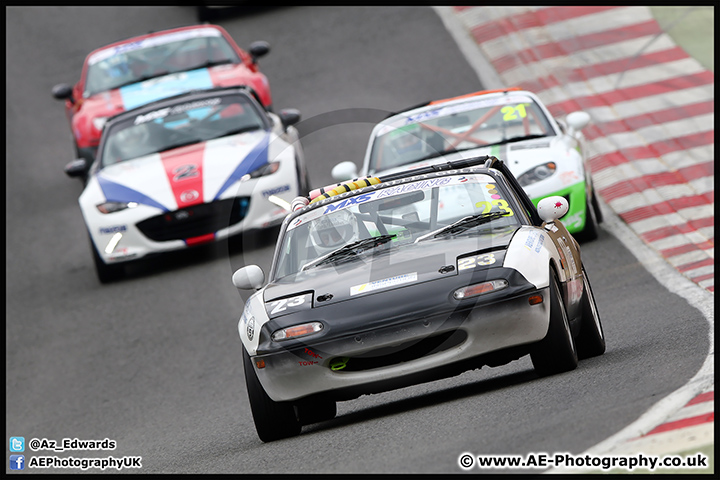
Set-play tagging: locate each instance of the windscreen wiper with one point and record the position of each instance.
(462, 225)
(350, 250)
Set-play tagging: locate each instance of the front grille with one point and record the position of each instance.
(195, 221)
(404, 352)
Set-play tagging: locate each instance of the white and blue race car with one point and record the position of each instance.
(185, 171)
(548, 156)
(402, 279)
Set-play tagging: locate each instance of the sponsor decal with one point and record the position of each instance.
(530, 241)
(138, 94)
(384, 283)
(151, 42)
(521, 146)
(189, 195)
(275, 191)
(113, 229)
(251, 328)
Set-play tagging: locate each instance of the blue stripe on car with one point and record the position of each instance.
(257, 157)
(114, 192)
(158, 88)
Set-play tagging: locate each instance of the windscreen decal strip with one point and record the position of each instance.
(115, 192)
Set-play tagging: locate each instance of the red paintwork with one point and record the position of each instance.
(109, 103)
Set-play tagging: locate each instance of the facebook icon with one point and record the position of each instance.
(17, 462)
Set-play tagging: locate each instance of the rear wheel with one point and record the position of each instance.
(556, 353)
(106, 273)
(591, 340)
(273, 420)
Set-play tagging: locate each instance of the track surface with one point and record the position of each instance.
(154, 362)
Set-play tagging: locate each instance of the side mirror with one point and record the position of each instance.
(258, 49)
(552, 208)
(578, 120)
(62, 91)
(289, 116)
(249, 277)
(77, 168)
(344, 171)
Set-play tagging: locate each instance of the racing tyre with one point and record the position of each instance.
(596, 206)
(273, 420)
(106, 273)
(316, 410)
(556, 353)
(592, 227)
(591, 340)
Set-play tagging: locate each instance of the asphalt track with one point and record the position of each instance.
(154, 362)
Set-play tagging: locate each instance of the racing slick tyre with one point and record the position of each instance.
(556, 353)
(316, 410)
(106, 273)
(596, 206)
(592, 225)
(273, 420)
(591, 340)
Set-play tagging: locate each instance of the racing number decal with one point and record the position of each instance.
(475, 261)
(182, 172)
(511, 113)
(501, 204)
(282, 304)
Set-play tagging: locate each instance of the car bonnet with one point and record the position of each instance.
(378, 272)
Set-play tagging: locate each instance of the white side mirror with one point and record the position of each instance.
(344, 171)
(552, 208)
(578, 120)
(249, 277)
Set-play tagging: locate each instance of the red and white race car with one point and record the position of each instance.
(133, 72)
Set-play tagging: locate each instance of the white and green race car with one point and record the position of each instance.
(548, 156)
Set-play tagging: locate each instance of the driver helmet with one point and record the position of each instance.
(333, 231)
(133, 141)
(406, 140)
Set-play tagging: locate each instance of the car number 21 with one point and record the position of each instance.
(476, 261)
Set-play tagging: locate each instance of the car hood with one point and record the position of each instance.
(188, 175)
(375, 274)
(519, 156)
(112, 102)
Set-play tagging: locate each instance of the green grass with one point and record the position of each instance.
(692, 28)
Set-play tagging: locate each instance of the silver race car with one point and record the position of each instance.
(407, 278)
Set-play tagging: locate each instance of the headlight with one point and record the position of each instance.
(267, 169)
(111, 207)
(541, 172)
(99, 122)
(297, 331)
(480, 289)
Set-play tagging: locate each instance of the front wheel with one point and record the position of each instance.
(591, 340)
(556, 353)
(591, 230)
(273, 420)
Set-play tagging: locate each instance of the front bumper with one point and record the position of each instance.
(145, 230)
(420, 349)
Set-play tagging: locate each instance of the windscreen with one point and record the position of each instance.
(397, 217)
